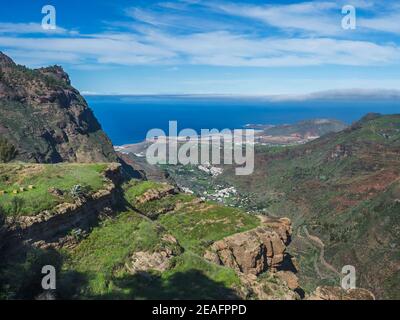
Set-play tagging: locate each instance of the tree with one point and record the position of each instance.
(7, 151)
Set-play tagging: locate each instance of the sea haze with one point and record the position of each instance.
(127, 119)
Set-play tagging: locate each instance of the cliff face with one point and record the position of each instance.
(46, 119)
(254, 251)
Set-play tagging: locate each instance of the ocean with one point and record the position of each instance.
(127, 119)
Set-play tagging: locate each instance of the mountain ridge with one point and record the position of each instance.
(46, 119)
(345, 187)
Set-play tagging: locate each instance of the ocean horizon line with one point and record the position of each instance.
(349, 94)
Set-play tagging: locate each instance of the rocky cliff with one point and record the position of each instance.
(254, 251)
(46, 119)
(259, 258)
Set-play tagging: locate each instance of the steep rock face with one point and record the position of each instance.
(46, 119)
(254, 251)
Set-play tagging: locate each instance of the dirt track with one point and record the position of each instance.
(319, 243)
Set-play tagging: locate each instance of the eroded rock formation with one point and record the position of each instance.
(254, 251)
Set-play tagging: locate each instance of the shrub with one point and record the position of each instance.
(80, 192)
(76, 191)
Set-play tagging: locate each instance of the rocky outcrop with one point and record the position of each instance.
(269, 287)
(156, 194)
(145, 261)
(340, 151)
(337, 293)
(46, 119)
(159, 260)
(53, 225)
(289, 278)
(254, 251)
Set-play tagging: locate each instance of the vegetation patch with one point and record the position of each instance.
(97, 266)
(102, 255)
(199, 226)
(26, 189)
(153, 209)
(135, 188)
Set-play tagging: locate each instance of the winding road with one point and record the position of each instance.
(319, 243)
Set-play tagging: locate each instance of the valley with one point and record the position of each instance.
(342, 188)
(322, 195)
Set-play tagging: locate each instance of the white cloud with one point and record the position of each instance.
(29, 28)
(214, 48)
(155, 40)
(385, 22)
(319, 17)
(313, 17)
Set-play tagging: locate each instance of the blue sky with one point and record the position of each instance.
(209, 47)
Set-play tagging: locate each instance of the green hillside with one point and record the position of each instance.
(28, 189)
(344, 187)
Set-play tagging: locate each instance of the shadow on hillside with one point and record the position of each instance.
(129, 171)
(21, 271)
(287, 264)
(191, 284)
(21, 277)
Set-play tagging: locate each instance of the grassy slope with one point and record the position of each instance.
(43, 177)
(97, 263)
(100, 258)
(95, 268)
(197, 227)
